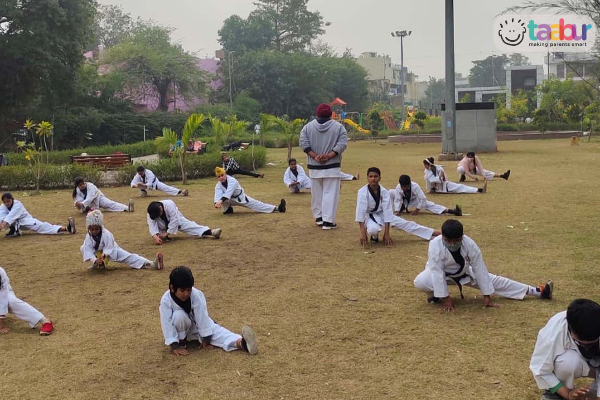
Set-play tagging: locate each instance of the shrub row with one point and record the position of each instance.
(19, 177)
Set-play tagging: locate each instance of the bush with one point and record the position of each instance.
(57, 177)
(64, 156)
(551, 126)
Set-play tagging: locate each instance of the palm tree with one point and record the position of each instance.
(266, 122)
(290, 129)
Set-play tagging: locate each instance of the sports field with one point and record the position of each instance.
(333, 320)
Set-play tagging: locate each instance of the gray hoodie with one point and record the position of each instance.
(323, 138)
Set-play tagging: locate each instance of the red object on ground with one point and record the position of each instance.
(47, 329)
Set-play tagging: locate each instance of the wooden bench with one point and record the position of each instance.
(110, 161)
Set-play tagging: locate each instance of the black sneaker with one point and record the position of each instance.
(463, 178)
(281, 206)
(546, 290)
(548, 395)
(433, 299)
(328, 225)
(374, 239)
(11, 232)
(506, 175)
(228, 211)
(71, 226)
(319, 221)
(458, 211)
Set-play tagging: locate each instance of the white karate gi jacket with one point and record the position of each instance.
(365, 206)
(553, 340)
(16, 213)
(108, 246)
(151, 180)
(434, 181)
(417, 197)
(4, 289)
(199, 316)
(440, 262)
(233, 192)
(173, 215)
(302, 178)
(92, 197)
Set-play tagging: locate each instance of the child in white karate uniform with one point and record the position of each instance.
(164, 219)
(409, 194)
(454, 258)
(435, 180)
(184, 317)
(88, 197)
(568, 348)
(295, 178)
(14, 216)
(145, 180)
(99, 246)
(229, 193)
(10, 303)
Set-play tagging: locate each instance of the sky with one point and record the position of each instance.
(361, 25)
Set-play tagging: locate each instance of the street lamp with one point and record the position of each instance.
(402, 35)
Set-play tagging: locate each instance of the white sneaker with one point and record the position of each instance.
(185, 193)
(216, 233)
(484, 189)
(71, 227)
(130, 208)
(158, 262)
(248, 335)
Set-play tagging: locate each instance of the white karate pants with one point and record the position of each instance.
(185, 225)
(37, 226)
(569, 366)
(131, 259)
(412, 227)
(22, 310)
(106, 204)
(252, 204)
(346, 177)
(452, 187)
(434, 208)
(170, 190)
(325, 198)
(503, 287)
(489, 175)
(303, 184)
(221, 337)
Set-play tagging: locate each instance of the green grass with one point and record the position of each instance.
(291, 281)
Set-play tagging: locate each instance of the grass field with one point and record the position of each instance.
(332, 321)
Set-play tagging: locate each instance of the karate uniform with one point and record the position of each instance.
(417, 200)
(556, 357)
(111, 249)
(21, 219)
(177, 325)
(346, 177)
(233, 194)
(153, 183)
(441, 268)
(434, 183)
(10, 303)
(94, 198)
(464, 168)
(302, 179)
(375, 214)
(175, 221)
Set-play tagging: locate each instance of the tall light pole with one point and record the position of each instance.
(402, 35)
(450, 128)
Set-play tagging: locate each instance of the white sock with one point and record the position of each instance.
(534, 291)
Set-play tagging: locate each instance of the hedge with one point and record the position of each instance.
(64, 156)
(18, 177)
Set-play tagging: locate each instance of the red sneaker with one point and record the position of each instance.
(47, 329)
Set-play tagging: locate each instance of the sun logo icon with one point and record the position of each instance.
(512, 33)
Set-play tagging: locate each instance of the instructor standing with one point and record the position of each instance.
(324, 140)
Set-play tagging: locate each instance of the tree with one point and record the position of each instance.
(170, 137)
(419, 120)
(112, 25)
(33, 153)
(466, 98)
(540, 118)
(246, 107)
(375, 123)
(151, 64)
(41, 47)
(517, 59)
(290, 129)
(281, 25)
(489, 71)
(435, 92)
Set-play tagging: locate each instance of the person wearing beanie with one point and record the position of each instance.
(324, 140)
(374, 212)
(409, 194)
(165, 219)
(435, 180)
(568, 348)
(9, 302)
(184, 318)
(145, 180)
(229, 193)
(99, 247)
(470, 166)
(14, 216)
(455, 259)
(88, 197)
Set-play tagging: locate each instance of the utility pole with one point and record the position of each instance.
(402, 35)
(230, 59)
(450, 128)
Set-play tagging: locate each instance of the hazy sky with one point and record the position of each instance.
(362, 25)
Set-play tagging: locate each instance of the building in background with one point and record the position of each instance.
(523, 77)
(576, 65)
(382, 75)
